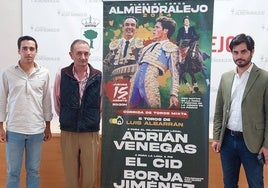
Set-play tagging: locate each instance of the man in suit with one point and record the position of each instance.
(186, 34)
(187, 37)
(240, 130)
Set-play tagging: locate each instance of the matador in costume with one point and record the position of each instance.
(121, 61)
(123, 66)
(155, 60)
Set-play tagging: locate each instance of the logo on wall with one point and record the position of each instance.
(91, 31)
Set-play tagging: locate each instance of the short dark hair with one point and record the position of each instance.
(240, 39)
(78, 41)
(133, 17)
(186, 17)
(167, 23)
(22, 38)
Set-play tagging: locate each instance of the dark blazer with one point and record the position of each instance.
(254, 109)
(182, 35)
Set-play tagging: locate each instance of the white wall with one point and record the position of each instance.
(11, 29)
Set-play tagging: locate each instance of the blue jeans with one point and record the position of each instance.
(16, 144)
(234, 152)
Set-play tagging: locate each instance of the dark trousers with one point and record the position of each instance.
(234, 152)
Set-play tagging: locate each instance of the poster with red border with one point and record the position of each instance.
(159, 146)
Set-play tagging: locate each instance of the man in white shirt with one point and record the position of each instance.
(25, 105)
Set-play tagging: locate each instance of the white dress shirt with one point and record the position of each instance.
(238, 88)
(25, 100)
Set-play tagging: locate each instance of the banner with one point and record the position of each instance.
(232, 17)
(55, 30)
(146, 141)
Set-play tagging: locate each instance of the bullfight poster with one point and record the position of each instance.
(156, 83)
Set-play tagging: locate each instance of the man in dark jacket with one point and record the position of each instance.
(186, 34)
(77, 101)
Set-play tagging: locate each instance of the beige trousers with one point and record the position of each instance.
(80, 152)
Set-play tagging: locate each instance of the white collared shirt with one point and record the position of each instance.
(25, 100)
(238, 88)
(124, 44)
(186, 29)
